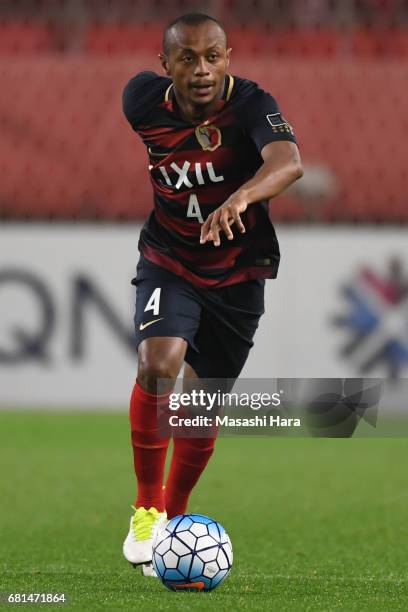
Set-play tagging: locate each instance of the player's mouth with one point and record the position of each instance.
(202, 89)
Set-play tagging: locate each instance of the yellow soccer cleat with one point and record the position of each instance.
(144, 527)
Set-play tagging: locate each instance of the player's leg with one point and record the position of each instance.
(158, 358)
(189, 459)
(166, 320)
(167, 317)
(229, 320)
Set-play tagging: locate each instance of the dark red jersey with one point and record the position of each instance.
(194, 168)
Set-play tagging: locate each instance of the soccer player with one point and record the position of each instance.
(219, 149)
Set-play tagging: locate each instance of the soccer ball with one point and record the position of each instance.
(193, 553)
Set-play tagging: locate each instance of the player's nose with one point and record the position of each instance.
(201, 68)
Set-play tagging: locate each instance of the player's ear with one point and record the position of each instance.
(228, 55)
(164, 63)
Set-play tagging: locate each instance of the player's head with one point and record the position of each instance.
(195, 56)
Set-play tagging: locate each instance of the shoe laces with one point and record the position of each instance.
(143, 522)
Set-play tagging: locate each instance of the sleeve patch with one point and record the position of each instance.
(279, 123)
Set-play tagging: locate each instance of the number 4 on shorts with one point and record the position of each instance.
(154, 302)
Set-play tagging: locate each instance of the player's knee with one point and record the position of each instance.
(150, 370)
(160, 358)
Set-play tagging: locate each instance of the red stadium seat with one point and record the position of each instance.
(18, 38)
(111, 39)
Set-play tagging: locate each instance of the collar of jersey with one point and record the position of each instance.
(169, 97)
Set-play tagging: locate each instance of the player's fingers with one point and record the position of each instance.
(215, 235)
(225, 225)
(237, 220)
(209, 237)
(215, 231)
(204, 233)
(205, 229)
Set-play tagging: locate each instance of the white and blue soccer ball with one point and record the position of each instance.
(192, 553)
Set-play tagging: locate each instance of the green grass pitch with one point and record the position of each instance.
(315, 524)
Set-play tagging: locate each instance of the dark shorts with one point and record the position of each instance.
(218, 324)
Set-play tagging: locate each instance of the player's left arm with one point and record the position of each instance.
(282, 166)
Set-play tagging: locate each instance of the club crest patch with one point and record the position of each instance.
(208, 136)
(279, 123)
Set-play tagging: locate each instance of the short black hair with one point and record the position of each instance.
(190, 19)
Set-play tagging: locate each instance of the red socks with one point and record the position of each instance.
(190, 456)
(149, 448)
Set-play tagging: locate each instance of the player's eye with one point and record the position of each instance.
(212, 57)
(187, 58)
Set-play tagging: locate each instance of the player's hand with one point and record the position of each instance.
(222, 218)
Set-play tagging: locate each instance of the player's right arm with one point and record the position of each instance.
(281, 167)
(276, 143)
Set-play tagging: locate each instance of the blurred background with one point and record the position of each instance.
(74, 189)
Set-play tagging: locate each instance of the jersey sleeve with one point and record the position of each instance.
(264, 122)
(140, 95)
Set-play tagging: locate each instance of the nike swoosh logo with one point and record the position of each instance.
(144, 325)
(198, 586)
